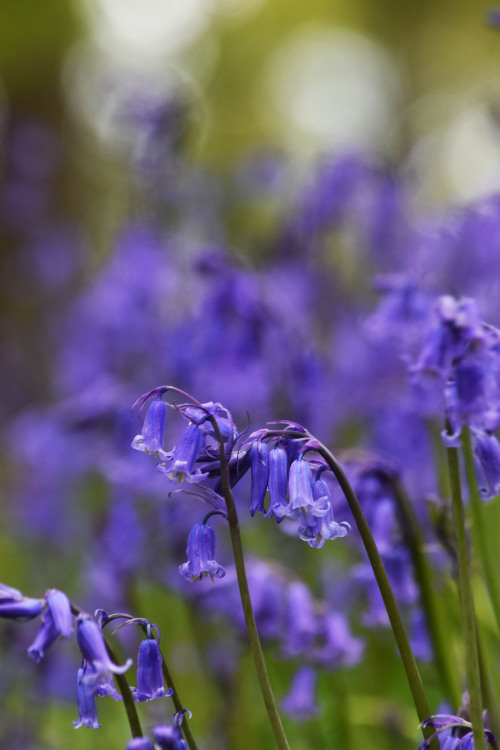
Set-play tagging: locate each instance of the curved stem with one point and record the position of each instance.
(403, 643)
(185, 728)
(253, 635)
(128, 701)
(466, 602)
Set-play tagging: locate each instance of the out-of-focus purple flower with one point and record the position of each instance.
(259, 456)
(337, 647)
(201, 555)
(459, 325)
(301, 623)
(153, 429)
(56, 620)
(94, 652)
(301, 704)
(169, 736)
(15, 606)
(487, 452)
(140, 743)
(149, 673)
(85, 696)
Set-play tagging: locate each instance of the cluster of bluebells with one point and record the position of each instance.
(94, 677)
(464, 352)
(280, 468)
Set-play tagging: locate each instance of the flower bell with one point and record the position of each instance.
(149, 671)
(259, 456)
(94, 652)
(85, 696)
(201, 553)
(56, 620)
(153, 429)
(15, 606)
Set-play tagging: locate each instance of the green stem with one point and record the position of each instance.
(480, 532)
(466, 602)
(432, 610)
(403, 643)
(185, 728)
(253, 635)
(128, 701)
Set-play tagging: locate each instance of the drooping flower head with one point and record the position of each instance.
(201, 555)
(93, 648)
(57, 620)
(15, 606)
(149, 669)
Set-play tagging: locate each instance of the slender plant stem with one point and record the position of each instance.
(466, 602)
(253, 635)
(128, 701)
(185, 728)
(480, 533)
(430, 603)
(403, 643)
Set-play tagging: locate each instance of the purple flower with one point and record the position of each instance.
(15, 606)
(169, 736)
(153, 429)
(85, 695)
(461, 732)
(487, 453)
(139, 743)
(201, 554)
(302, 623)
(185, 455)
(56, 620)
(300, 484)
(149, 672)
(459, 325)
(300, 704)
(94, 652)
(278, 483)
(337, 646)
(259, 456)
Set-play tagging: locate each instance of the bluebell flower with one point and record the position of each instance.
(278, 483)
(301, 704)
(169, 736)
(201, 554)
(259, 456)
(461, 732)
(300, 484)
(140, 743)
(152, 436)
(301, 624)
(336, 645)
(15, 606)
(85, 696)
(57, 620)
(459, 325)
(149, 671)
(93, 648)
(184, 456)
(487, 453)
